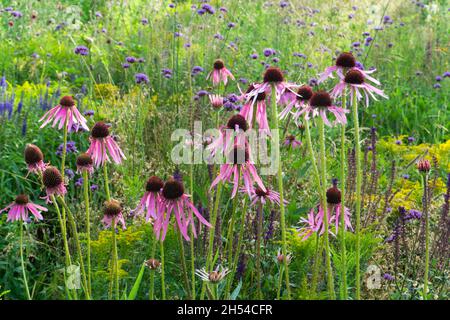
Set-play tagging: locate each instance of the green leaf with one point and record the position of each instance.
(137, 283)
(236, 291)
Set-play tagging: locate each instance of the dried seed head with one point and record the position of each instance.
(112, 208)
(173, 189)
(22, 199)
(52, 177)
(218, 64)
(237, 120)
(346, 60)
(320, 99)
(273, 74)
(424, 165)
(33, 154)
(100, 130)
(238, 156)
(154, 184)
(67, 101)
(152, 264)
(333, 195)
(354, 76)
(304, 93)
(84, 160)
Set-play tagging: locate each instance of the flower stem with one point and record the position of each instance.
(311, 154)
(152, 272)
(258, 250)
(343, 290)
(78, 245)
(105, 176)
(88, 228)
(212, 232)
(276, 141)
(427, 236)
(191, 234)
(358, 197)
(323, 189)
(115, 260)
(184, 265)
(163, 281)
(27, 290)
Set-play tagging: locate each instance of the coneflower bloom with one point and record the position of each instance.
(355, 79)
(21, 208)
(219, 73)
(216, 101)
(272, 75)
(229, 135)
(53, 183)
(237, 166)
(34, 158)
(247, 110)
(151, 198)
(85, 163)
(102, 141)
(112, 210)
(174, 200)
(321, 103)
(302, 97)
(259, 195)
(313, 223)
(344, 61)
(65, 112)
(153, 264)
(335, 209)
(214, 276)
(290, 141)
(280, 257)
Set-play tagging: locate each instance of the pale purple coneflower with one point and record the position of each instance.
(85, 163)
(355, 79)
(292, 142)
(216, 101)
(65, 113)
(53, 183)
(239, 165)
(321, 103)
(21, 208)
(229, 135)
(335, 209)
(303, 95)
(344, 61)
(248, 111)
(102, 141)
(151, 198)
(272, 76)
(261, 196)
(214, 276)
(174, 200)
(112, 211)
(34, 158)
(280, 257)
(219, 73)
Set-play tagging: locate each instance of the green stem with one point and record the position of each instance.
(152, 272)
(427, 236)
(105, 176)
(184, 265)
(163, 281)
(280, 281)
(115, 259)
(358, 197)
(276, 141)
(78, 245)
(230, 233)
(192, 245)
(316, 266)
(212, 232)
(258, 250)
(312, 154)
(88, 228)
(343, 290)
(323, 189)
(27, 290)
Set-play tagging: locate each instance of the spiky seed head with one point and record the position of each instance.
(22, 199)
(67, 101)
(346, 60)
(237, 120)
(100, 130)
(320, 99)
(154, 184)
(273, 74)
(51, 177)
(173, 189)
(33, 154)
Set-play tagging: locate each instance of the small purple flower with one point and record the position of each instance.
(446, 74)
(411, 139)
(313, 82)
(254, 56)
(231, 25)
(398, 142)
(141, 78)
(79, 182)
(405, 176)
(144, 21)
(131, 59)
(69, 173)
(268, 52)
(196, 70)
(94, 187)
(167, 73)
(81, 50)
(388, 277)
(437, 86)
(438, 78)
(125, 65)
(202, 93)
